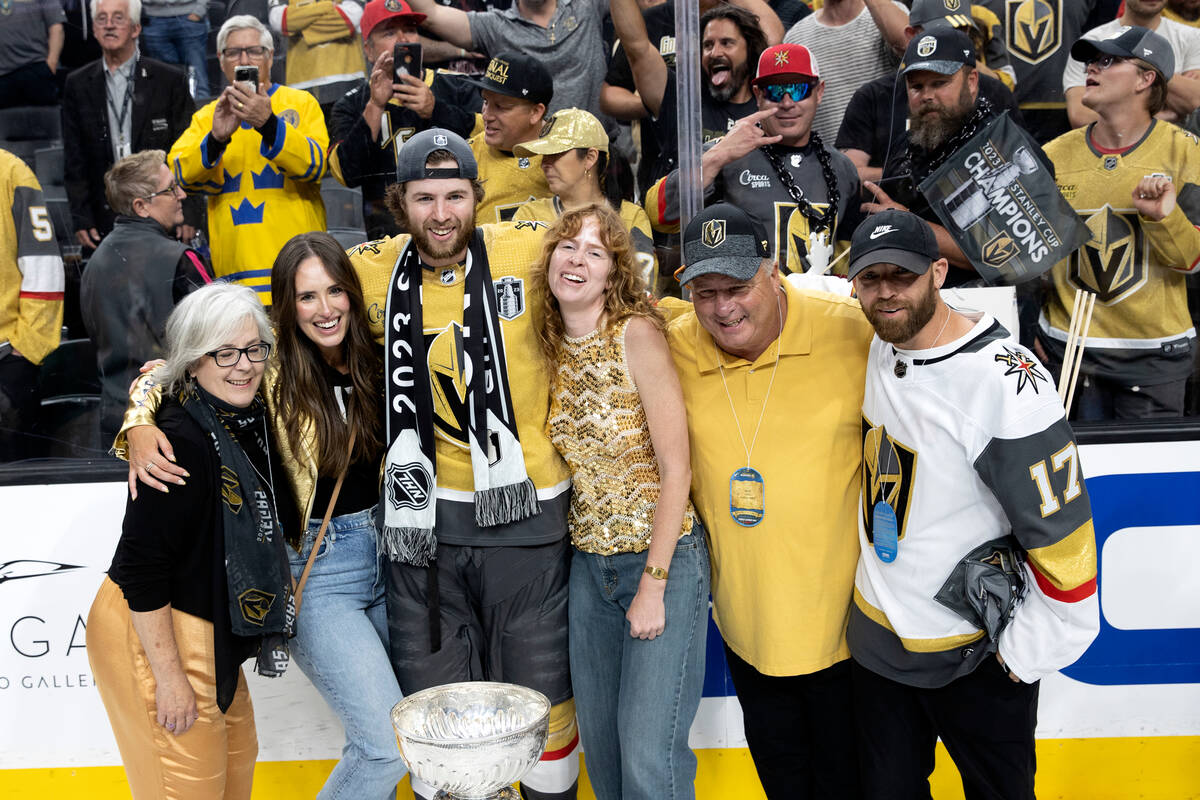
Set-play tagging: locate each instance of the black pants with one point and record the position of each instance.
(800, 731)
(19, 406)
(30, 85)
(985, 720)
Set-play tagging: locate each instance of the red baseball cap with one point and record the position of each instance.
(786, 61)
(377, 11)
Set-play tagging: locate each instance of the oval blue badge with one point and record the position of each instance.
(885, 532)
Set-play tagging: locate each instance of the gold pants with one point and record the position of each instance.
(215, 758)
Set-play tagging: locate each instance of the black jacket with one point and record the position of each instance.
(358, 160)
(162, 110)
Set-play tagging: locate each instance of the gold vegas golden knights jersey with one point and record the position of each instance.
(509, 181)
(513, 250)
(1141, 332)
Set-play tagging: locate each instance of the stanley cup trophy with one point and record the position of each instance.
(472, 740)
(969, 203)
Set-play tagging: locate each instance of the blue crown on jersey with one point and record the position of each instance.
(247, 213)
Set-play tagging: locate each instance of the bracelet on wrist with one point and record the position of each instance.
(658, 573)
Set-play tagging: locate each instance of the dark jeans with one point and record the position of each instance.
(179, 40)
(19, 403)
(800, 731)
(31, 85)
(985, 719)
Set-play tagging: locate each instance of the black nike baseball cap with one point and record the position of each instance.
(893, 237)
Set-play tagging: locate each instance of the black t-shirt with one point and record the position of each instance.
(881, 105)
(715, 120)
(660, 29)
(360, 489)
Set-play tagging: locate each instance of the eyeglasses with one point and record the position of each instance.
(775, 92)
(116, 20)
(170, 190)
(230, 356)
(235, 53)
(1103, 61)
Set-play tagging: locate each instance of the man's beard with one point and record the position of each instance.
(738, 74)
(930, 130)
(898, 331)
(438, 251)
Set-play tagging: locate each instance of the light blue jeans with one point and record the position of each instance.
(179, 40)
(635, 699)
(342, 646)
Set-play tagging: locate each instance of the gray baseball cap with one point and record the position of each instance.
(1133, 42)
(725, 240)
(940, 49)
(410, 161)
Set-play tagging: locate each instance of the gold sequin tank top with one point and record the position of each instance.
(599, 426)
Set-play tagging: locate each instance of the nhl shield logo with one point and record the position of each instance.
(712, 234)
(408, 485)
(523, 162)
(1110, 163)
(1033, 28)
(926, 46)
(440, 140)
(999, 250)
(510, 297)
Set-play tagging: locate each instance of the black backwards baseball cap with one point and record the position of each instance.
(725, 240)
(1132, 42)
(939, 49)
(517, 75)
(893, 237)
(956, 13)
(410, 161)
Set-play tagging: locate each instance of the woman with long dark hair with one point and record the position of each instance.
(639, 568)
(325, 404)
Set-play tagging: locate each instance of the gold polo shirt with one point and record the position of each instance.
(781, 589)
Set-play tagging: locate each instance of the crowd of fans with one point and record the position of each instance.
(848, 82)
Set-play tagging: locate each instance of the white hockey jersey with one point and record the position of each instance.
(967, 442)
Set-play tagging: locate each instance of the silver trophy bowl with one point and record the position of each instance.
(472, 740)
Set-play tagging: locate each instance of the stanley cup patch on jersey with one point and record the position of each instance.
(1033, 28)
(1113, 263)
(510, 297)
(889, 469)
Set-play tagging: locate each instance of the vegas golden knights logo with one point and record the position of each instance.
(712, 234)
(1034, 28)
(231, 490)
(953, 5)
(999, 250)
(255, 604)
(888, 471)
(1113, 263)
(448, 380)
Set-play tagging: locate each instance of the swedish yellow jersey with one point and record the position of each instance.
(509, 181)
(782, 589)
(1141, 331)
(549, 209)
(260, 194)
(513, 250)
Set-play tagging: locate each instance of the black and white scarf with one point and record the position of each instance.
(503, 491)
(261, 604)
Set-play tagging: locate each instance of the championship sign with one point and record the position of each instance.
(998, 199)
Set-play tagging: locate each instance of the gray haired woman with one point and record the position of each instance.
(200, 579)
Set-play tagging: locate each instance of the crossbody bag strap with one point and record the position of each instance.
(312, 556)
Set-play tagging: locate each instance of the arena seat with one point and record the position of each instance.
(348, 237)
(343, 206)
(26, 129)
(70, 408)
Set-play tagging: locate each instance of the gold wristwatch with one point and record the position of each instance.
(658, 573)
